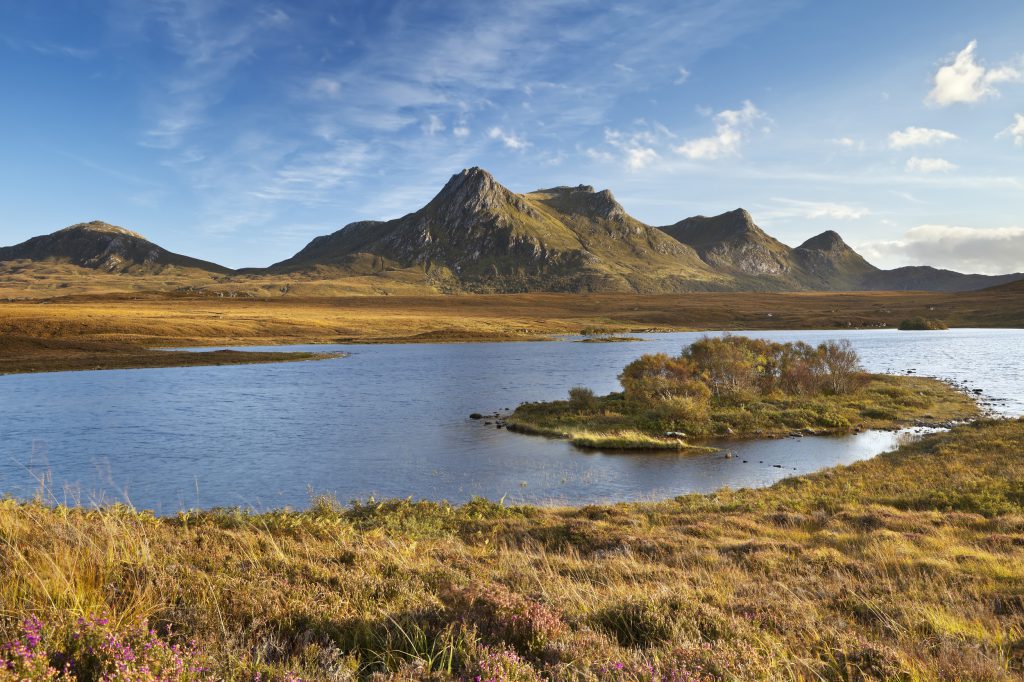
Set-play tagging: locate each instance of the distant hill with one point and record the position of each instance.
(478, 236)
(927, 278)
(99, 246)
(733, 243)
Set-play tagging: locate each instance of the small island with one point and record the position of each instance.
(739, 387)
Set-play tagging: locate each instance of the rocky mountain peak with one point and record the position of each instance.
(98, 227)
(828, 240)
(471, 192)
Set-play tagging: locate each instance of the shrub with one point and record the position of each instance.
(582, 399)
(651, 378)
(922, 324)
(841, 365)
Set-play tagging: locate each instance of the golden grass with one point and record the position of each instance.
(176, 319)
(909, 566)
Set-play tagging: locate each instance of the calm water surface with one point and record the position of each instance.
(391, 421)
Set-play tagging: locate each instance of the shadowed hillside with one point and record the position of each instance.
(100, 246)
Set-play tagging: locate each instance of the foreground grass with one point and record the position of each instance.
(612, 422)
(909, 566)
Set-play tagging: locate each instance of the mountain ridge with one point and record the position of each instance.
(476, 235)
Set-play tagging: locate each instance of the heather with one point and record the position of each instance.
(908, 566)
(739, 387)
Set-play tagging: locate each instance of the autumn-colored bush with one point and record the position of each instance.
(737, 368)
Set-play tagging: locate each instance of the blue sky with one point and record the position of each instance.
(237, 132)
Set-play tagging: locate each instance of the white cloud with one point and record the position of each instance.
(325, 87)
(1016, 130)
(965, 249)
(433, 125)
(916, 164)
(510, 140)
(682, 76)
(794, 208)
(460, 131)
(965, 80)
(598, 154)
(730, 127)
(640, 157)
(848, 143)
(637, 147)
(912, 136)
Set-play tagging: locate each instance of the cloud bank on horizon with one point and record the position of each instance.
(238, 132)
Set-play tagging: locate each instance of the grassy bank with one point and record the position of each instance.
(909, 566)
(21, 355)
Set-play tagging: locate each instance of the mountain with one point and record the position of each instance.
(927, 278)
(99, 246)
(476, 235)
(733, 243)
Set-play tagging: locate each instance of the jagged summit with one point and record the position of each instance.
(826, 241)
(473, 191)
(582, 199)
(102, 246)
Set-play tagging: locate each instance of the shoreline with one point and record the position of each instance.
(107, 356)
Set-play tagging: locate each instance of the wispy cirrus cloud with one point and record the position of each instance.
(49, 48)
(812, 210)
(210, 43)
